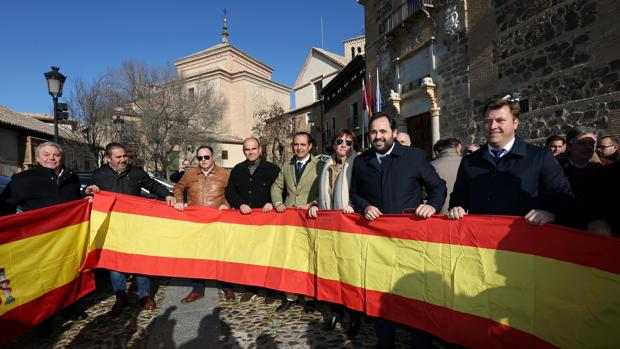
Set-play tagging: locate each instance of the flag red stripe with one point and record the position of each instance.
(23, 318)
(493, 232)
(43, 220)
(471, 330)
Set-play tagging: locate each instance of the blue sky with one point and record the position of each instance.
(85, 38)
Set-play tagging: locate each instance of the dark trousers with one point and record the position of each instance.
(386, 333)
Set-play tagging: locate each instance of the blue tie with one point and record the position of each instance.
(298, 169)
(497, 153)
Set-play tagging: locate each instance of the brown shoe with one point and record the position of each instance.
(147, 303)
(192, 296)
(230, 295)
(119, 305)
(247, 296)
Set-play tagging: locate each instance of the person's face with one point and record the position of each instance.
(557, 147)
(500, 126)
(381, 135)
(343, 146)
(251, 150)
(205, 159)
(301, 146)
(186, 164)
(403, 139)
(118, 160)
(49, 157)
(606, 147)
(582, 148)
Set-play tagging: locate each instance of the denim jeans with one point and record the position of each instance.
(119, 283)
(198, 285)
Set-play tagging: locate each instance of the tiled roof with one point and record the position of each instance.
(19, 120)
(338, 58)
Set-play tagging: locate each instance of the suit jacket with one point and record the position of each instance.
(397, 183)
(528, 177)
(128, 182)
(254, 189)
(297, 194)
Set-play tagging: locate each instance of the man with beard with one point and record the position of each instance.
(387, 179)
(118, 176)
(607, 150)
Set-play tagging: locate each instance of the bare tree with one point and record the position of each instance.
(275, 130)
(167, 120)
(92, 105)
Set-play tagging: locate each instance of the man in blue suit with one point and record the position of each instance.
(388, 179)
(508, 176)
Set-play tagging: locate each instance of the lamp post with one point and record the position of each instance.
(119, 124)
(55, 83)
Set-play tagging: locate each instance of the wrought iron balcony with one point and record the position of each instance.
(398, 15)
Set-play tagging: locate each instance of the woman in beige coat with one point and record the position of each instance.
(334, 195)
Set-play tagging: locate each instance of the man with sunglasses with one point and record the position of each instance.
(119, 176)
(204, 186)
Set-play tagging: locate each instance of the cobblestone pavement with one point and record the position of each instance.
(251, 324)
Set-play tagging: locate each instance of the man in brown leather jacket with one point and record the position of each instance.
(205, 186)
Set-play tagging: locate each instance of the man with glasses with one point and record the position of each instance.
(119, 176)
(607, 150)
(204, 186)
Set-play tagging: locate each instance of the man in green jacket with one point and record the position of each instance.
(299, 180)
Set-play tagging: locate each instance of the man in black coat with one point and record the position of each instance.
(249, 186)
(388, 179)
(508, 176)
(49, 183)
(119, 176)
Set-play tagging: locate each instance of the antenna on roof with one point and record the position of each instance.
(322, 33)
(225, 28)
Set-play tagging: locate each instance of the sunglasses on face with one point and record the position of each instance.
(206, 157)
(347, 142)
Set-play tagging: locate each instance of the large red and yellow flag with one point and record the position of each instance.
(41, 253)
(484, 281)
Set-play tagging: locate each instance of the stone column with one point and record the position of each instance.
(430, 90)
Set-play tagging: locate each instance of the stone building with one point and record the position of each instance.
(20, 134)
(561, 56)
(245, 84)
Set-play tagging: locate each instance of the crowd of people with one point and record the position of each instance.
(569, 182)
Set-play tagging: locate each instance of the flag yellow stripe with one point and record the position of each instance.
(534, 294)
(42, 263)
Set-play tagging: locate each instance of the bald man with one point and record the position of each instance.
(404, 139)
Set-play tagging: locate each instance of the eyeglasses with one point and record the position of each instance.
(347, 142)
(206, 157)
(600, 146)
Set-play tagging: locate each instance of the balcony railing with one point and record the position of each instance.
(401, 13)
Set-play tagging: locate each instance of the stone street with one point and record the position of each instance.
(210, 322)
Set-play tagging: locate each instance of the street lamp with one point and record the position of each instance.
(55, 83)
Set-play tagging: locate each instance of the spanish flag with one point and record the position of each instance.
(484, 281)
(41, 254)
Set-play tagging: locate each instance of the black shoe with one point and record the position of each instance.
(285, 305)
(73, 314)
(354, 328)
(310, 307)
(119, 305)
(332, 321)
